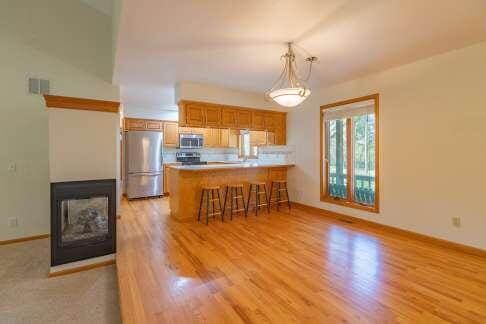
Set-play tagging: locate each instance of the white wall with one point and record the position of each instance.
(83, 145)
(151, 113)
(432, 145)
(68, 43)
(215, 94)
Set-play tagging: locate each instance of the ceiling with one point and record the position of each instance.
(237, 44)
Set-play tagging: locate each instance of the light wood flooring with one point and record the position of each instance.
(287, 268)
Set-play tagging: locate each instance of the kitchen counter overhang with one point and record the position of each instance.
(186, 182)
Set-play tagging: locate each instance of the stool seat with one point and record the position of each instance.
(261, 183)
(279, 181)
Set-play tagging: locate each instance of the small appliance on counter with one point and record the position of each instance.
(191, 141)
(189, 158)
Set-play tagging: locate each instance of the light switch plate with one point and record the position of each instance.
(12, 167)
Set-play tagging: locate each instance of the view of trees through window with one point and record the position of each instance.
(359, 129)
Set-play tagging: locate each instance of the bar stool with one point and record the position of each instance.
(235, 192)
(276, 188)
(211, 198)
(260, 189)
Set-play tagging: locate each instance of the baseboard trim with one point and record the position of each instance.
(24, 239)
(81, 268)
(395, 230)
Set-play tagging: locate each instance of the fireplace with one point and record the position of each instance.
(82, 220)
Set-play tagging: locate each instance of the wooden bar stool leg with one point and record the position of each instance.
(219, 205)
(231, 197)
(248, 199)
(207, 207)
(278, 197)
(213, 203)
(243, 201)
(200, 205)
(271, 194)
(237, 203)
(266, 198)
(225, 200)
(257, 199)
(287, 194)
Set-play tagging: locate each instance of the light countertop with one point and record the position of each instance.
(229, 165)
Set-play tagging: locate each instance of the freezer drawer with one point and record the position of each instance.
(145, 185)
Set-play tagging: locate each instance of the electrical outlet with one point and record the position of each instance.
(456, 221)
(13, 222)
(12, 167)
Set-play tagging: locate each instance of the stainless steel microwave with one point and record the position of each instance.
(191, 141)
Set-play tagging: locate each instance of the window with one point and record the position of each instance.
(349, 151)
(249, 142)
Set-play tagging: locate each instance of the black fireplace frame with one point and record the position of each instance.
(81, 190)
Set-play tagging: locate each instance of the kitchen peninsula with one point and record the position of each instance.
(186, 182)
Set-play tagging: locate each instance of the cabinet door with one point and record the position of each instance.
(244, 119)
(270, 138)
(213, 116)
(258, 138)
(228, 118)
(211, 137)
(134, 124)
(153, 125)
(224, 137)
(257, 120)
(269, 120)
(281, 129)
(195, 115)
(233, 138)
(171, 134)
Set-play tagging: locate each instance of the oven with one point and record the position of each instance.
(191, 141)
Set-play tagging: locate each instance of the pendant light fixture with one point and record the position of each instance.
(290, 90)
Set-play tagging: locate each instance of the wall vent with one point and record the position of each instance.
(38, 86)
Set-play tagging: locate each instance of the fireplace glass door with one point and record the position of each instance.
(83, 221)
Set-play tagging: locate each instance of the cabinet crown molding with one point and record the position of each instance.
(81, 104)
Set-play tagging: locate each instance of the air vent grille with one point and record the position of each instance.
(38, 86)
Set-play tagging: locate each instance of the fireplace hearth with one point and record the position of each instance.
(82, 220)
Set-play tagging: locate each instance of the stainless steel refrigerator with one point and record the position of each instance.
(145, 176)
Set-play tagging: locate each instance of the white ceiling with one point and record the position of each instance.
(238, 44)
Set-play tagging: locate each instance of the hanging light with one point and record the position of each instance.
(289, 90)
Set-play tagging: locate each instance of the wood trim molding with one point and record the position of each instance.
(81, 104)
(25, 239)
(324, 190)
(366, 224)
(184, 102)
(81, 268)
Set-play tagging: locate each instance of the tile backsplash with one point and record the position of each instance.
(266, 154)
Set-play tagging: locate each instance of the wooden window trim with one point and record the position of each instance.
(324, 187)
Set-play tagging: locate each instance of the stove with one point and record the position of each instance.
(189, 158)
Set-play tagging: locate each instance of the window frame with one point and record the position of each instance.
(324, 182)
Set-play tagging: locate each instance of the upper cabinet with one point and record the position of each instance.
(257, 120)
(213, 116)
(195, 115)
(229, 118)
(202, 114)
(171, 134)
(243, 119)
(142, 124)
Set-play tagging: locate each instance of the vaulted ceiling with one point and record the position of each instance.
(238, 44)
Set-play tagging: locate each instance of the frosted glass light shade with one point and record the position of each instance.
(289, 97)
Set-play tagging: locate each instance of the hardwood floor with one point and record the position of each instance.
(287, 268)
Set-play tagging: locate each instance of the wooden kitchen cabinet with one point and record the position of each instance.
(211, 137)
(210, 115)
(271, 138)
(213, 116)
(229, 118)
(171, 134)
(258, 138)
(243, 119)
(195, 115)
(142, 124)
(257, 120)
